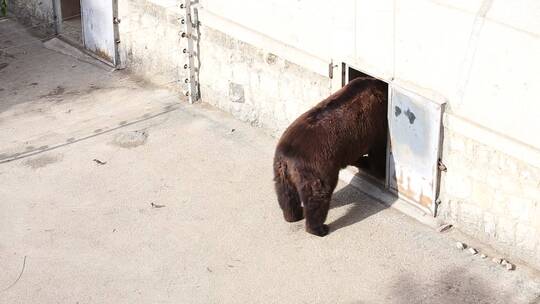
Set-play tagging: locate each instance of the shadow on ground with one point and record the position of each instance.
(360, 207)
(456, 285)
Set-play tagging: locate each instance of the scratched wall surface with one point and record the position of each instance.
(39, 14)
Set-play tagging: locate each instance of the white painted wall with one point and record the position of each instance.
(303, 23)
(481, 56)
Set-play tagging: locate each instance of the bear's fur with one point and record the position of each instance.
(335, 133)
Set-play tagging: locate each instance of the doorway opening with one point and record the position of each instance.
(71, 21)
(373, 165)
(404, 172)
(91, 26)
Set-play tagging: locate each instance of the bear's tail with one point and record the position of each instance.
(287, 195)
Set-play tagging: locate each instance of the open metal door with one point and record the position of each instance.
(98, 28)
(414, 124)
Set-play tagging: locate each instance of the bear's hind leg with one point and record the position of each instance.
(316, 198)
(288, 199)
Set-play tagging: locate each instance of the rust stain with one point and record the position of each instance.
(425, 200)
(422, 199)
(103, 54)
(406, 191)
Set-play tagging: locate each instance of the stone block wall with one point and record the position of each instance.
(151, 42)
(492, 196)
(254, 85)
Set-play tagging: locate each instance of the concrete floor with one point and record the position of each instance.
(72, 29)
(182, 208)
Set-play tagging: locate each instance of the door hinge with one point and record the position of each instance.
(442, 166)
(331, 67)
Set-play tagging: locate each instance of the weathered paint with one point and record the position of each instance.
(414, 131)
(98, 28)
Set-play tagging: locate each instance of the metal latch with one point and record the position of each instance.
(116, 20)
(441, 166)
(331, 67)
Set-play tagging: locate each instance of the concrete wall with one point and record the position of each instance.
(39, 14)
(463, 51)
(491, 195)
(150, 41)
(254, 84)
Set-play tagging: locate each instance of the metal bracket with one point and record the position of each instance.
(441, 166)
(331, 67)
(192, 91)
(120, 55)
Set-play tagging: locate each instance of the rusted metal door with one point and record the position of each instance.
(414, 150)
(98, 28)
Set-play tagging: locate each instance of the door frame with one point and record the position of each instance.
(381, 191)
(119, 61)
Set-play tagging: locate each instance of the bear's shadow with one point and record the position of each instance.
(362, 206)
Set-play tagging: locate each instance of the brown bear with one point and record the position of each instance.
(337, 132)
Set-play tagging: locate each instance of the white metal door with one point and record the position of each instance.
(98, 28)
(414, 126)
